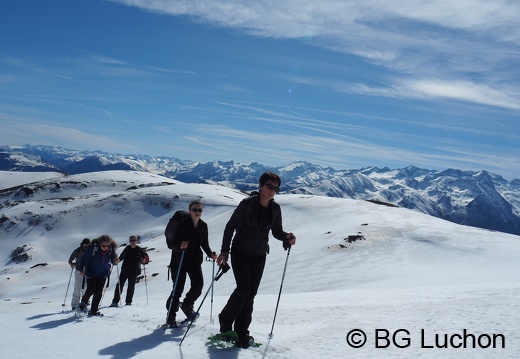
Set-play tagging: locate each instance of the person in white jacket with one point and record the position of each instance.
(74, 261)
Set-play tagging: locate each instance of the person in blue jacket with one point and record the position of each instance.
(96, 264)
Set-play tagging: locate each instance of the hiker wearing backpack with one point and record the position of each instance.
(74, 262)
(191, 235)
(251, 222)
(132, 256)
(96, 266)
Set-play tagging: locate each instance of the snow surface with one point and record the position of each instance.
(10, 179)
(414, 275)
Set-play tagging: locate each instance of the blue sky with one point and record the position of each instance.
(347, 84)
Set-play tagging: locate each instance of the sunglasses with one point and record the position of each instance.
(196, 210)
(272, 188)
(133, 240)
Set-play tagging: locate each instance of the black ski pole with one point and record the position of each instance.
(108, 282)
(174, 287)
(222, 269)
(211, 308)
(280, 292)
(68, 285)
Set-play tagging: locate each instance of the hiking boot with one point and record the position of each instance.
(224, 327)
(192, 317)
(172, 324)
(187, 309)
(82, 306)
(245, 342)
(114, 305)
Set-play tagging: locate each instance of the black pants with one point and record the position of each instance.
(95, 288)
(194, 271)
(120, 285)
(248, 271)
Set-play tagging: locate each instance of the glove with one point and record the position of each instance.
(286, 245)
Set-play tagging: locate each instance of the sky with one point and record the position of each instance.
(347, 84)
(412, 273)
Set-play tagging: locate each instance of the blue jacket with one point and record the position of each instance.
(96, 263)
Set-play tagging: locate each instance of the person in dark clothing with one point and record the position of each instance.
(191, 236)
(251, 222)
(74, 262)
(132, 256)
(96, 264)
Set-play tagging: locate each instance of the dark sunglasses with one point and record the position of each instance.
(196, 209)
(133, 240)
(272, 188)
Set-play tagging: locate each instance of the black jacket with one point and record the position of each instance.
(131, 258)
(197, 238)
(251, 224)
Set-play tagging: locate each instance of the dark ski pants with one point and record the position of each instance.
(125, 275)
(248, 271)
(95, 288)
(192, 270)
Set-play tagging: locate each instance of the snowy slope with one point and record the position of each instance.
(412, 272)
(10, 179)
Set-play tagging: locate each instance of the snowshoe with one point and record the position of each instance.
(223, 340)
(171, 325)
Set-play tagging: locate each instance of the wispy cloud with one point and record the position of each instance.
(442, 43)
(425, 88)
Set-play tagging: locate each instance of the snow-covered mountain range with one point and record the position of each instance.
(480, 199)
(449, 291)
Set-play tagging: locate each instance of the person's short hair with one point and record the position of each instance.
(269, 176)
(195, 202)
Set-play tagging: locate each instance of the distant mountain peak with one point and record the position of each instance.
(480, 199)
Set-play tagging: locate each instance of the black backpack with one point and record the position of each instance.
(173, 225)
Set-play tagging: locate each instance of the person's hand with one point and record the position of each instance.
(72, 265)
(184, 245)
(290, 241)
(214, 256)
(222, 258)
(116, 260)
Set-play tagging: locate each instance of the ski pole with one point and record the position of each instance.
(145, 284)
(68, 285)
(280, 292)
(108, 282)
(118, 283)
(174, 287)
(211, 307)
(222, 269)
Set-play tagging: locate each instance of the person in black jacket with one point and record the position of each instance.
(190, 237)
(132, 256)
(251, 222)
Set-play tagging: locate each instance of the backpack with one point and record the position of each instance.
(146, 257)
(173, 225)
